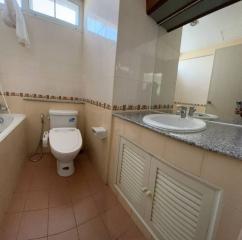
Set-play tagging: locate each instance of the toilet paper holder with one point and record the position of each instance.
(99, 132)
(45, 139)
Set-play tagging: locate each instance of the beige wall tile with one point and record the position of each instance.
(135, 58)
(98, 150)
(99, 52)
(50, 66)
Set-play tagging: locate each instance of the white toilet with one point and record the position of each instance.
(65, 140)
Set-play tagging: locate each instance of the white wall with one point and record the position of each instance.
(99, 51)
(213, 29)
(193, 80)
(226, 83)
(52, 64)
(135, 60)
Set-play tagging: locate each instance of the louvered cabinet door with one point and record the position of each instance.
(133, 173)
(180, 207)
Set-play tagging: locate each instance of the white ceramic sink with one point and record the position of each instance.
(174, 123)
(205, 116)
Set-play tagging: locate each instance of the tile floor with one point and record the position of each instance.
(46, 206)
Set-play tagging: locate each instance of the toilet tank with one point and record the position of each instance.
(63, 118)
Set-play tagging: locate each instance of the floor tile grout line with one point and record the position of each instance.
(48, 217)
(21, 218)
(73, 211)
(92, 194)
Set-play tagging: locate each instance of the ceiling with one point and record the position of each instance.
(215, 28)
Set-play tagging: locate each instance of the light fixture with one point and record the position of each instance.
(194, 23)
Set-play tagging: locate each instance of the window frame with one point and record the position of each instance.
(27, 10)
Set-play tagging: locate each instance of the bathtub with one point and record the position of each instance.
(8, 122)
(13, 154)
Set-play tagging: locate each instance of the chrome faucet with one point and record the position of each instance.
(183, 112)
(238, 109)
(191, 112)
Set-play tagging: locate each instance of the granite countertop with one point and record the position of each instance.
(218, 137)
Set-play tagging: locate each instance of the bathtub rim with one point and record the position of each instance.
(17, 119)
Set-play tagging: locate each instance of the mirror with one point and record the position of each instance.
(200, 65)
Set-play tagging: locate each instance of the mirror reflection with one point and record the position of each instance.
(199, 67)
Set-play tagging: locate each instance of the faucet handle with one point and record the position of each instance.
(183, 111)
(192, 110)
(238, 109)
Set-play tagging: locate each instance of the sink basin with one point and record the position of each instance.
(205, 116)
(174, 123)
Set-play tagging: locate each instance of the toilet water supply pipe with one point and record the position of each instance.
(4, 99)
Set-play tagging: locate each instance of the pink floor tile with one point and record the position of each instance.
(105, 200)
(96, 185)
(23, 183)
(10, 226)
(68, 235)
(79, 191)
(133, 233)
(33, 225)
(41, 180)
(117, 221)
(59, 198)
(85, 210)
(36, 200)
(47, 206)
(17, 202)
(93, 230)
(61, 219)
(57, 182)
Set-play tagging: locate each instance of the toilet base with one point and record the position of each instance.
(65, 169)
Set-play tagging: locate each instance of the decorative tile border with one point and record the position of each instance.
(129, 107)
(192, 104)
(61, 99)
(76, 100)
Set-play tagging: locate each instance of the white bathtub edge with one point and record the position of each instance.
(18, 118)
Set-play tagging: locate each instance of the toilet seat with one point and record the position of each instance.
(65, 144)
(65, 140)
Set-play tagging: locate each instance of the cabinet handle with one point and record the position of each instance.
(148, 193)
(144, 189)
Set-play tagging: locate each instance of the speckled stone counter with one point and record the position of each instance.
(218, 137)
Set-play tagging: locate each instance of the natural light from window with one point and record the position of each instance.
(60, 9)
(67, 11)
(46, 7)
(102, 29)
(63, 10)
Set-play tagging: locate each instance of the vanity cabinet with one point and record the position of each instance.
(173, 204)
(133, 174)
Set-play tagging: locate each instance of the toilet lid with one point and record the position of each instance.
(65, 140)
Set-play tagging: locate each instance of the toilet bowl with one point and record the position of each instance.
(65, 144)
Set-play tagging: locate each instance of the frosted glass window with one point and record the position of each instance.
(46, 7)
(64, 10)
(67, 11)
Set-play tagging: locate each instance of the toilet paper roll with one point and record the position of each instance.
(45, 139)
(100, 132)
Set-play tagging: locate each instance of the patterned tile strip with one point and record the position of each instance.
(165, 107)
